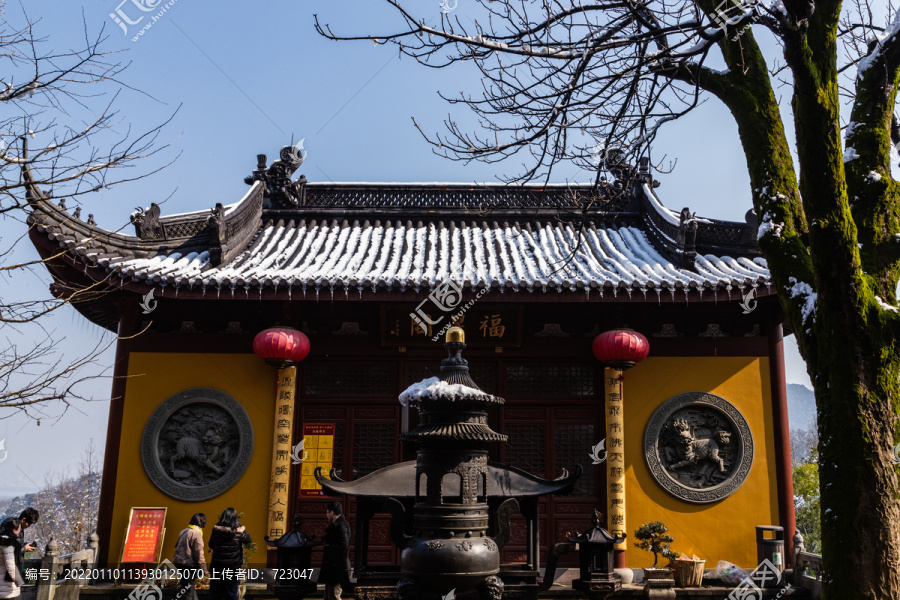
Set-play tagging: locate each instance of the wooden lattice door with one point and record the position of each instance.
(546, 436)
(360, 399)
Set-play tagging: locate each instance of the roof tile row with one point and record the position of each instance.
(329, 254)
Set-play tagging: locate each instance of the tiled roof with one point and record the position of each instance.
(338, 254)
(286, 235)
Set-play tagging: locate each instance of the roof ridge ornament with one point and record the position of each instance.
(146, 222)
(33, 194)
(749, 233)
(218, 234)
(687, 238)
(281, 191)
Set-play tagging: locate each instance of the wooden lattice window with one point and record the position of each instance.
(549, 380)
(373, 447)
(525, 449)
(350, 379)
(572, 444)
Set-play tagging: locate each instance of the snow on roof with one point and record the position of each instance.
(206, 211)
(336, 254)
(668, 214)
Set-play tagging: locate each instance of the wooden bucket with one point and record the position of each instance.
(688, 573)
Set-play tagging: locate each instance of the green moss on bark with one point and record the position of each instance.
(848, 339)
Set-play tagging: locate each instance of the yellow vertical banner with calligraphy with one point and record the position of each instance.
(282, 443)
(615, 459)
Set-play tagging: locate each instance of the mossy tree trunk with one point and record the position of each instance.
(834, 259)
(832, 241)
(831, 236)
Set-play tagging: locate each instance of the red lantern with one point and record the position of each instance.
(621, 348)
(281, 346)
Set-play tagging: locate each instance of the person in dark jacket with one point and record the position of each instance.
(227, 546)
(27, 518)
(189, 557)
(335, 573)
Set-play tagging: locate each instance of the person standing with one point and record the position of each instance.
(189, 555)
(335, 573)
(227, 546)
(10, 577)
(27, 518)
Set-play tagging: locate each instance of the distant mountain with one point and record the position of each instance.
(11, 507)
(801, 406)
(68, 509)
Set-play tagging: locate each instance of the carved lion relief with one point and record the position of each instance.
(698, 447)
(197, 444)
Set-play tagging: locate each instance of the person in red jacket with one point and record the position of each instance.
(189, 556)
(227, 545)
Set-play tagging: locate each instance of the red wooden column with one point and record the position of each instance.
(784, 473)
(282, 348)
(618, 349)
(127, 326)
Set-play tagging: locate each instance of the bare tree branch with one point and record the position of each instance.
(61, 138)
(592, 84)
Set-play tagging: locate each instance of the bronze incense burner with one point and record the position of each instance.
(450, 549)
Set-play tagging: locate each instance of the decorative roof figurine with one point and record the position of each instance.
(281, 191)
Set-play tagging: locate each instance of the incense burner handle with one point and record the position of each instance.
(501, 520)
(550, 572)
(398, 521)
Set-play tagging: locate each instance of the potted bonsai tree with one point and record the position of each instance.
(654, 538)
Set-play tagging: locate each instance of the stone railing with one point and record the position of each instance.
(55, 577)
(807, 569)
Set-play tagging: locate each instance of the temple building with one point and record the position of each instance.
(695, 435)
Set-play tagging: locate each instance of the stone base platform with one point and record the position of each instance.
(259, 592)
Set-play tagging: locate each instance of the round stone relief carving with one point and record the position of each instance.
(698, 447)
(197, 444)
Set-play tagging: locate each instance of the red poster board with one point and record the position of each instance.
(144, 536)
(318, 446)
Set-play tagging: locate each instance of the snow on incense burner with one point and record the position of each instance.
(451, 549)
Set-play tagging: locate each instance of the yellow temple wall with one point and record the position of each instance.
(153, 378)
(723, 530)
(719, 531)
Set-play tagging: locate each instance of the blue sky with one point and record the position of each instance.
(248, 78)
